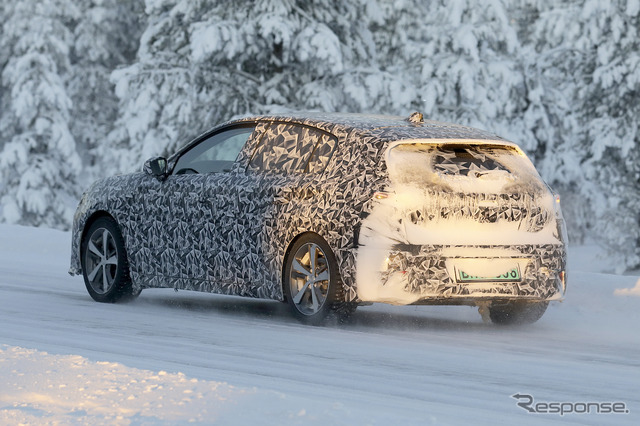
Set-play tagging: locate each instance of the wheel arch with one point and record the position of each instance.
(91, 219)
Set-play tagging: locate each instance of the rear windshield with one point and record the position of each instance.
(462, 164)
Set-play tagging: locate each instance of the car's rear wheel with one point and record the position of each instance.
(516, 312)
(312, 282)
(105, 267)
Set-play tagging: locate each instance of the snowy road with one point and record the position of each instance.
(411, 365)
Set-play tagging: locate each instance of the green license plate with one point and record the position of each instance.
(512, 275)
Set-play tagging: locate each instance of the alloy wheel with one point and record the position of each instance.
(101, 260)
(309, 278)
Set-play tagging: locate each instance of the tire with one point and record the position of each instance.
(516, 312)
(105, 267)
(312, 284)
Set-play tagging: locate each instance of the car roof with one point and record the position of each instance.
(382, 127)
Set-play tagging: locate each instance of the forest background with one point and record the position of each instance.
(91, 88)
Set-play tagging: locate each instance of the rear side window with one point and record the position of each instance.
(322, 154)
(291, 148)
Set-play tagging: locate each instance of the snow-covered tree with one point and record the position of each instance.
(106, 36)
(585, 61)
(203, 62)
(38, 161)
(610, 114)
(553, 65)
(456, 61)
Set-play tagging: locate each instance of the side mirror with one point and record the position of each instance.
(156, 167)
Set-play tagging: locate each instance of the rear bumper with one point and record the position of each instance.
(429, 274)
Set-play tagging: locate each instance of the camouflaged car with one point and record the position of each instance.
(329, 211)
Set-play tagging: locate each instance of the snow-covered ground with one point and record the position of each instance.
(170, 358)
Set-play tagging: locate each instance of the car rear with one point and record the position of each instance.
(461, 222)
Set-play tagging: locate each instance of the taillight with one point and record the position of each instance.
(556, 205)
(380, 195)
(562, 276)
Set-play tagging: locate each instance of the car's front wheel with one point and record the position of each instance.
(516, 312)
(312, 282)
(105, 267)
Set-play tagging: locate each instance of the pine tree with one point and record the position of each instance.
(458, 61)
(38, 161)
(156, 93)
(200, 63)
(610, 114)
(554, 69)
(585, 61)
(106, 36)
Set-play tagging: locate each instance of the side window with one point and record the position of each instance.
(216, 153)
(322, 154)
(286, 148)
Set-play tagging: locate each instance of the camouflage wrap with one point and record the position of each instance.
(425, 272)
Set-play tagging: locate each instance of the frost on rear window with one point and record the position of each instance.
(464, 161)
(461, 167)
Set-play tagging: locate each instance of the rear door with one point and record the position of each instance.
(289, 161)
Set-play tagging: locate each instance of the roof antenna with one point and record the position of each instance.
(416, 118)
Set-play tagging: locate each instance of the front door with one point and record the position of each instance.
(193, 212)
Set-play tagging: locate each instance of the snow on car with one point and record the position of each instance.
(329, 211)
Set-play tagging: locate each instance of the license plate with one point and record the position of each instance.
(512, 275)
